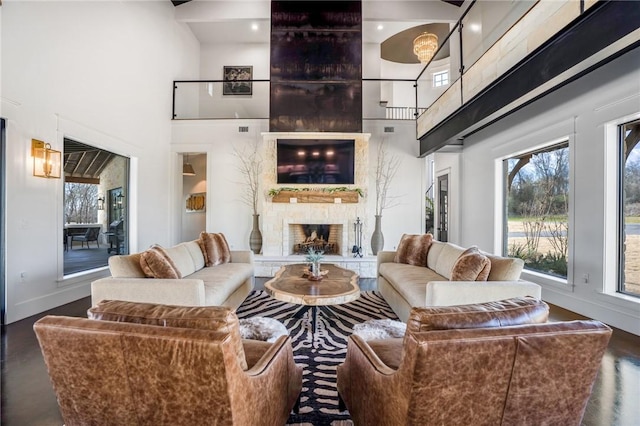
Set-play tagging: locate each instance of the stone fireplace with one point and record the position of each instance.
(282, 223)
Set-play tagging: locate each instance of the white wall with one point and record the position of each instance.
(100, 73)
(579, 112)
(408, 186)
(212, 60)
(226, 213)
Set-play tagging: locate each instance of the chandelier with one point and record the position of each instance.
(425, 46)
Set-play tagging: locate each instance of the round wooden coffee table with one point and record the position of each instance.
(289, 284)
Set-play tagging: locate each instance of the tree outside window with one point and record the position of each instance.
(80, 203)
(537, 198)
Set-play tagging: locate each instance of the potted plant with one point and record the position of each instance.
(313, 258)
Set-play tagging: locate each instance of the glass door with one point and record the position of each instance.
(443, 208)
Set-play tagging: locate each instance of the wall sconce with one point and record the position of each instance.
(101, 202)
(47, 162)
(119, 198)
(187, 168)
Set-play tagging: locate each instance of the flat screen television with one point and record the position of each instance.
(324, 161)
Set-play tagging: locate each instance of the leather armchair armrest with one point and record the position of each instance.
(368, 386)
(268, 357)
(375, 363)
(449, 293)
(266, 392)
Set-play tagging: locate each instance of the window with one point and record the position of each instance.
(95, 205)
(629, 208)
(537, 208)
(440, 78)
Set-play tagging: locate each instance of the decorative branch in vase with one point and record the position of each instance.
(250, 166)
(386, 168)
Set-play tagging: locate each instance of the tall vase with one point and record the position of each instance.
(377, 239)
(255, 238)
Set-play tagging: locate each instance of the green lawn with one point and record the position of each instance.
(632, 219)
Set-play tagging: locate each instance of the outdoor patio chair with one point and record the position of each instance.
(92, 234)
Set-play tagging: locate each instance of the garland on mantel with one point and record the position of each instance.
(331, 190)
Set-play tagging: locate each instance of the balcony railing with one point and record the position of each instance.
(382, 99)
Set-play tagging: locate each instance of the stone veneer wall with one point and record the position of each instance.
(276, 217)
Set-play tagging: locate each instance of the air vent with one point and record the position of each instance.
(389, 130)
(243, 129)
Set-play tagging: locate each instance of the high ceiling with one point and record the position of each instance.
(223, 22)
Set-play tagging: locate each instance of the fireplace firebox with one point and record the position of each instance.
(319, 237)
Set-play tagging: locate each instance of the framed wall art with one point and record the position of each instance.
(237, 80)
(196, 202)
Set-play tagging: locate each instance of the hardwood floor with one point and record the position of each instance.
(28, 399)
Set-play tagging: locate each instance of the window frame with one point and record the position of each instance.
(558, 142)
(436, 77)
(620, 282)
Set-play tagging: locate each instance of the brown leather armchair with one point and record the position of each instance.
(531, 374)
(106, 372)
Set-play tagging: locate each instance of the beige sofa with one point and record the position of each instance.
(227, 284)
(405, 286)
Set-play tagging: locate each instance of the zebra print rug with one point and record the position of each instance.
(319, 353)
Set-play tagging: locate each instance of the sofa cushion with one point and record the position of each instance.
(448, 254)
(126, 266)
(222, 281)
(216, 248)
(516, 311)
(156, 263)
(182, 259)
(471, 266)
(196, 254)
(215, 318)
(410, 281)
(505, 268)
(413, 249)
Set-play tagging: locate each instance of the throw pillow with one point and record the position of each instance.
(471, 266)
(216, 249)
(215, 318)
(262, 328)
(380, 329)
(156, 263)
(502, 313)
(413, 249)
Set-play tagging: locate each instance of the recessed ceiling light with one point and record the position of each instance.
(316, 153)
(380, 27)
(475, 27)
(301, 153)
(254, 26)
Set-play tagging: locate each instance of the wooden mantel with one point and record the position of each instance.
(285, 196)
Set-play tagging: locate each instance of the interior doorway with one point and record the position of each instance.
(443, 208)
(194, 195)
